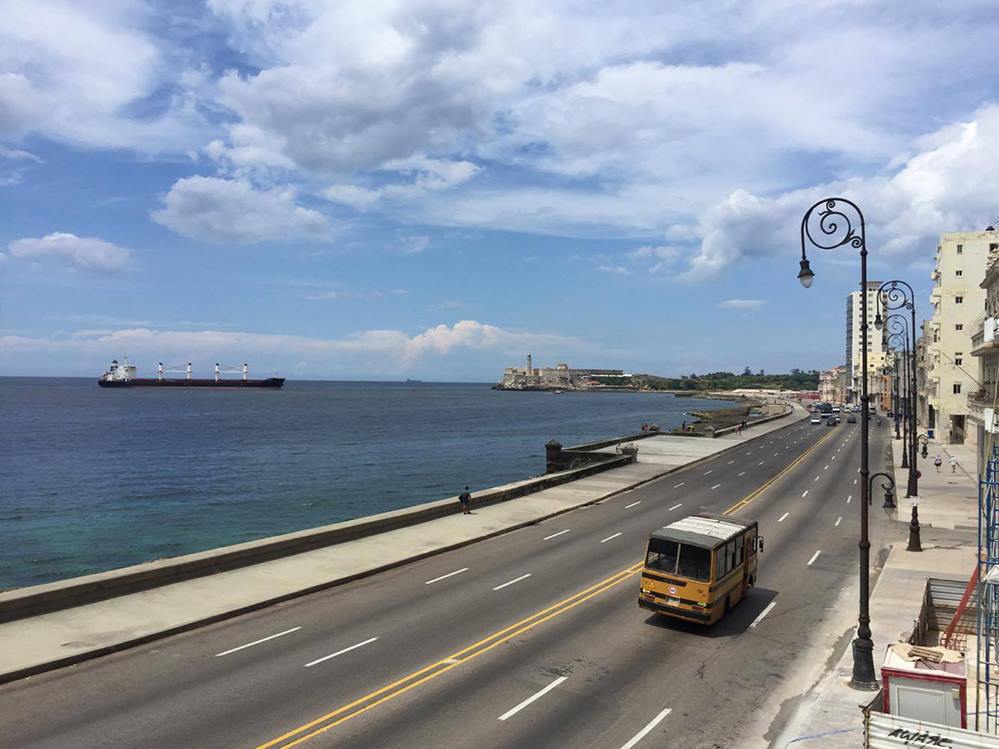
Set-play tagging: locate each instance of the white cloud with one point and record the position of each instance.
(357, 197)
(948, 184)
(82, 253)
(225, 210)
(85, 73)
(743, 304)
(379, 350)
(662, 257)
(618, 270)
(344, 294)
(18, 154)
(415, 244)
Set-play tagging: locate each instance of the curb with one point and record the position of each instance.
(97, 652)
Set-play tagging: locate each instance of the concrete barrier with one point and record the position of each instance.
(39, 599)
(754, 422)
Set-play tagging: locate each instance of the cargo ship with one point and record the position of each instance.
(122, 375)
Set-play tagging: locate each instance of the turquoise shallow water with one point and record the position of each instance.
(92, 479)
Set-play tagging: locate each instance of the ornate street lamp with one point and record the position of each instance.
(827, 225)
(897, 296)
(894, 323)
(889, 503)
(895, 333)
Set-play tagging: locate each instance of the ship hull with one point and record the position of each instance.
(270, 382)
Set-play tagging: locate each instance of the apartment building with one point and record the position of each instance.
(957, 302)
(875, 352)
(982, 406)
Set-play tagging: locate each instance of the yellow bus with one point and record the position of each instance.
(699, 567)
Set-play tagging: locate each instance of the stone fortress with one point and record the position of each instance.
(563, 377)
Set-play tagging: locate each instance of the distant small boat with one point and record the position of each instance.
(412, 381)
(556, 392)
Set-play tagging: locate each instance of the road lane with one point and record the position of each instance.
(622, 667)
(142, 690)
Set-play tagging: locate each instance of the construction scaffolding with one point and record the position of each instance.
(987, 697)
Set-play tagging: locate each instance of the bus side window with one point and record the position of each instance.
(730, 553)
(740, 547)
(719, 562)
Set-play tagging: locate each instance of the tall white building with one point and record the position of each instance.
(875, 353)
(958, 305)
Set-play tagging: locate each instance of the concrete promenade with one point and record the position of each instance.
(50, 640)
(828, 716)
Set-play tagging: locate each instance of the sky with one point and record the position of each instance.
(331, 189)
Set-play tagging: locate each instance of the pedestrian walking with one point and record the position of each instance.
(466, 502)
(953, 464)
(937, 462)
(739, 430)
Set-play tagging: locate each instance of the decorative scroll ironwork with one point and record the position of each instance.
(895, 295)
(836, 223)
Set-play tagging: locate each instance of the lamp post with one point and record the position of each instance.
(896, 394)
(915, 543)
(897, 296)
(827, 225)
(889, 503)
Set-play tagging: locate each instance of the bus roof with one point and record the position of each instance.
(704, 529)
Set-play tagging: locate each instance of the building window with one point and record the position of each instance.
(959, 300)
(957, 388)
(959, 326)
(959, 273)
(958, 358)
(993, 247)
(960, 249)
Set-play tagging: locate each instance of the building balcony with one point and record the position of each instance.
(984, 348)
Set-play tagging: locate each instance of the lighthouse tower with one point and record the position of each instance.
(530, 370)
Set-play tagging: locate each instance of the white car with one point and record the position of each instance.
(816, 419)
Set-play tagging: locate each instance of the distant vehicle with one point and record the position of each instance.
(835, 409)
(830, 422)
(816, 419)
(851, 419)
(699, 567)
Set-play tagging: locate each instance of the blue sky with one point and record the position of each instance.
(433, 189)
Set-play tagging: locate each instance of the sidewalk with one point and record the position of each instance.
(829, 716)
(47, 641)
(948, 499)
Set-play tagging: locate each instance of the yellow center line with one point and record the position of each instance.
(447, 663)
(390, 691)
(774, 479)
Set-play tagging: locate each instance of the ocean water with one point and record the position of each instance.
(94, 479)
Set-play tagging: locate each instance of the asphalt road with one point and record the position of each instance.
(530, 639)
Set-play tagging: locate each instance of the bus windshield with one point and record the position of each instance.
(684, 560)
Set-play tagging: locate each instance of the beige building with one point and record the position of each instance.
(831, 385)
(957, 302)
(982, 405)
(853, 385)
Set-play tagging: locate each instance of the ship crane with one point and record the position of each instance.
(160, 369)
(230, 369)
